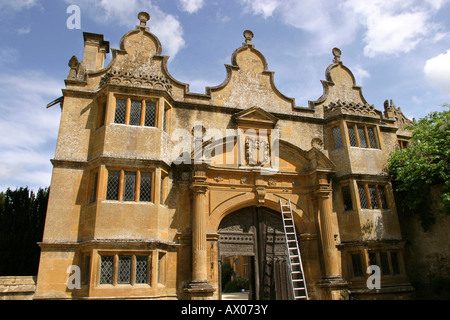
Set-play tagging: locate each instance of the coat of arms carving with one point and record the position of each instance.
(256, 151)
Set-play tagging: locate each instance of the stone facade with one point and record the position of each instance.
(17, 288)
(145, 173)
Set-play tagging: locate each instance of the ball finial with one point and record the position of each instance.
(143, 17)
(248, 35)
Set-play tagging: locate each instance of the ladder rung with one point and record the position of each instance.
(293, 252)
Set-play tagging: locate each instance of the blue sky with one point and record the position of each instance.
(397, 49)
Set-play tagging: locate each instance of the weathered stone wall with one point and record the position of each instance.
(17, 288)
(428, 253)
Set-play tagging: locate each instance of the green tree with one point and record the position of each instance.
(423, 164)
(22, 218)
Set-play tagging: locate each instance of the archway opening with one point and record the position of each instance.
(253, 257)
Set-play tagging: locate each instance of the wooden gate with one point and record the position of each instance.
(257, 232)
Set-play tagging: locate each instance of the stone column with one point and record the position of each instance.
(199, 288)
(336, 287)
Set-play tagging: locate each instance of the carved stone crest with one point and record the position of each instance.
(256, 151)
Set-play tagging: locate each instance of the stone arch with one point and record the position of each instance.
(249, 200)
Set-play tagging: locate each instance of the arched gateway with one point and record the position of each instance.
(252, 239)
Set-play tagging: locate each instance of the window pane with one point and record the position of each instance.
(337, 138)
(384, 201)
(351, 134)
(384, 263)
(129, 186)
(141, 269)
(146, 187)
(372, 140)
(165, 119)
(94, 188)
(348, 205)
(121, 110)
(362, 197)
(373, 259)
(373, 197)
(362, 137)
(135, 113)
(101, 114)
(124, 274)
(87, 269)
(357, 265)
(150, 114)
(395, 264)
(106, 270)
(161, 267)
(112, 192)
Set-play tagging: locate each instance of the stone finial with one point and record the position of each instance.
(143, 17)
(337, 55)
(248, 35)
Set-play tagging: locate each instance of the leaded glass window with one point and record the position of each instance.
(362, 137)
(362, 197)
(94, 188)
(150, 114)
(384, 202)
(129, 186)
(357, 265)
(373, 197)
(372, 140)
(106, 269)
(395, 264)
(373, 259)
(352, 136)
(124, 272)
(348, 205)
(141, 269)
(337, 138)
(384, 260)
(165, 119)
(135, 113)
(112, 192)
(121, 111)
(146, 187)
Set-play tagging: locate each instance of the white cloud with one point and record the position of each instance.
(165, 26)
(389, 26)
(262, 7)
(191, 6)
(326, 20)
(437, 72)
(360, 74)
(17, 5)
(394, 26)
(28, 130)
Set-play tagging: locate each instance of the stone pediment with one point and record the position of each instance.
(341, 94)
(249, 82)
(138, 62)
(255, 117)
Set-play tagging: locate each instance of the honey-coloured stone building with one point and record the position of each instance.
(154, 186)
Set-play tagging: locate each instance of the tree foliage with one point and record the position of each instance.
(423, 164)
(22, 218)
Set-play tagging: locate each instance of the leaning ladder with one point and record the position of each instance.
(296, 276)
